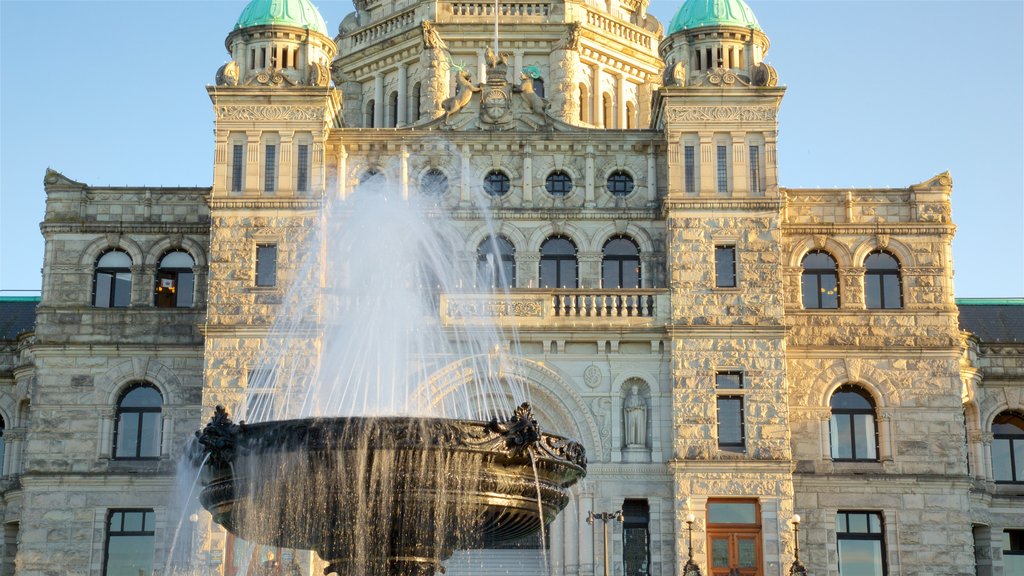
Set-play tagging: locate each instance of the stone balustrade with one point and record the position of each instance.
(519, 9)
(646, 306)
(385, 28)
(618, 29)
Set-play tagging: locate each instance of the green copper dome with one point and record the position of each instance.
(699, 13)
(298, 13)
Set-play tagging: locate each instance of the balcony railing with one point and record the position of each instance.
(644, 306)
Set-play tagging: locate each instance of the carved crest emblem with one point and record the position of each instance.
(495, 104)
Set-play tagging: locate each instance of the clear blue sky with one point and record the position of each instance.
(880, 94)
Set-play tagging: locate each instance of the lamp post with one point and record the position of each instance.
(691, 568)
(797, 569)
(605, 517)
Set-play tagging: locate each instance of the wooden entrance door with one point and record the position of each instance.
(734, 546)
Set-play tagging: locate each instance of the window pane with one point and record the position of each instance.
(236, 168)
(630, 274)
(809, 289)
(566, 273)
(1018, 454)
(548, 274)
(891, 289)
(130, 555)
(270, 172)
(122, 289)
(860, 558)
(747, 553)
(842, 445)
(730, 421)
(103, 282)
(857, 523)
(303, 175)
(266, 265)
(720, 552)
(149, 446)
(1001, 467)
(127, 435)
(133, 522)
(558, 246)
(723, 171)
(732, 513)
(689, 168)
(177, 260)
(873, 290)
(115, 259)
(186, 289)
(610, 273)
(864, 428)
(841, 522)
(850, 398)
(725, 266)
(730, 380)
(829, 291)
(142, 397)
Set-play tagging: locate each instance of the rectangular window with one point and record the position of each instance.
(636, 555)
(266, 264)
(303, 168)
(755, 169)
(259, 395)
(129, 543)
(725, 266)
(861, 544)
(730, 424)
(270, 168)
(723, 171)
(237, 166)
(689, 169)
(1013, 552)
(729, 381)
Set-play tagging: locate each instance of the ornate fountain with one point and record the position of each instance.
(387, 496)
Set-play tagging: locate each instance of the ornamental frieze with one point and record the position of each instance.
(719, 113)
(487, 307)
(270, 112)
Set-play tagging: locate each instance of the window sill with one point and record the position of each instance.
(857, 467)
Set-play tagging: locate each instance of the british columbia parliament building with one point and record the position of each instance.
(724, 347)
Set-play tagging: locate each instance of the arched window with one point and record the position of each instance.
(393, 110)
(112, 284)
(558, 268)
(607, 118)
(496, 263)
(620, 183)
(620, 263)
(558, 183)
(584, 103)
(175, 281)
(820, 281)
(417, 93)
(370, 114)
(538, 86)
(434, 183)
(496, 183)
(137, 430)
(372, 181)
(1008, 448)
(882, 286)
(852, 426)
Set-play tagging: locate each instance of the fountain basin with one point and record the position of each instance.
(386, 496)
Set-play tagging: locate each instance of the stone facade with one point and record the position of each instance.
(700, 153)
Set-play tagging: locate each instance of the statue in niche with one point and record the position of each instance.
(227, 75)
(634, 410)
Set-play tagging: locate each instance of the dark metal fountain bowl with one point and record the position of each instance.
(386, 496)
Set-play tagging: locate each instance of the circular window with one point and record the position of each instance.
(620, 183)
(434, 183)
(558, 183)
(496, 183)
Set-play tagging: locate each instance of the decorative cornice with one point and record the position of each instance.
(753, 204)
(120, 227)
(721, 113)
(900, 228)
(271, 112)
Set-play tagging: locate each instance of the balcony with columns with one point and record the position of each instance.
(559, 308)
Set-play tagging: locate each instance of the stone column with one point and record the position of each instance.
(166, 434)
(986, 443)
(620, 101)
(285, 185)
(252, 163)
(527, 174)
(142, 285)
(342, 172)
(884, 436)
(528, 270)
(589, 270)
(739, 166)
(404, 170)
(588, 199)
(597, 117)
(378, 100)
(708, 173)
(771, 167)
(652, 176)
(104, 448)
(403, 94)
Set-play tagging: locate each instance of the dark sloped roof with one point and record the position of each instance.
(993, 320)
(17, 315)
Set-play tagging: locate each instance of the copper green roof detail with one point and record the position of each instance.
(700, 13)
(298, 13)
